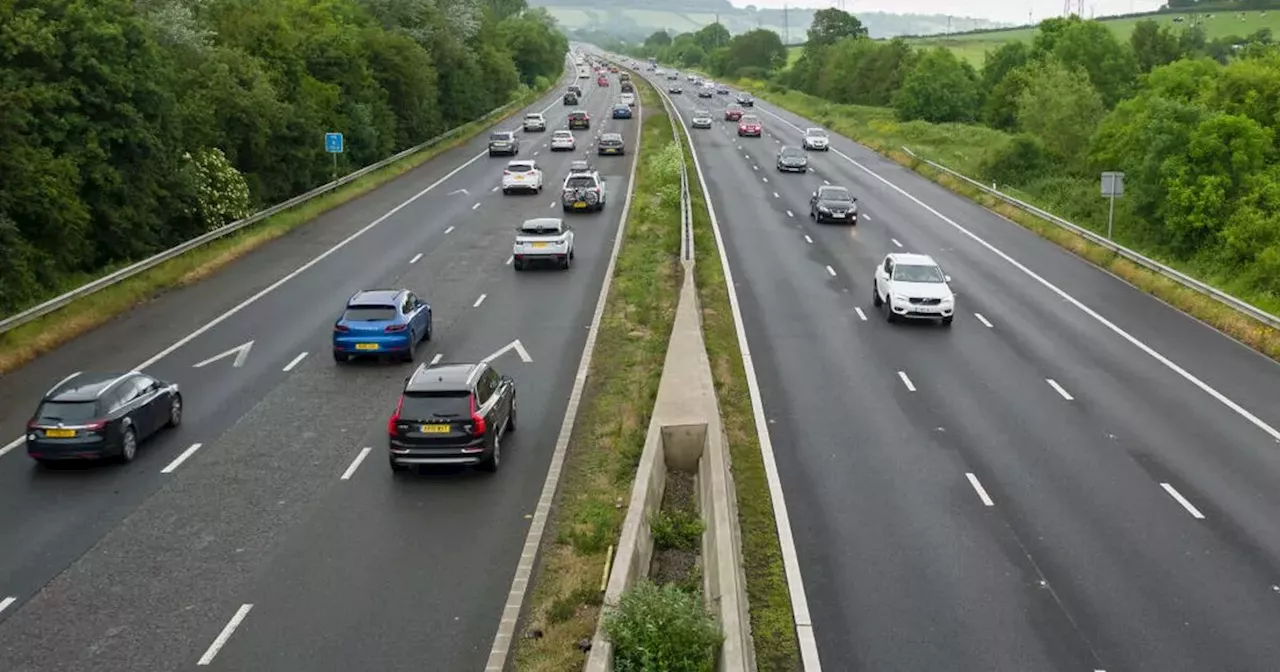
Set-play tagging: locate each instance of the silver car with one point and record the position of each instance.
(534, 121)
(562, 141)
(543, 239)
(701, 119)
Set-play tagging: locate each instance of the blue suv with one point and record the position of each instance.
(379, 322)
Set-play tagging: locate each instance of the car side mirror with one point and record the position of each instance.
(855, 199)
(815, 194)
(947, 278)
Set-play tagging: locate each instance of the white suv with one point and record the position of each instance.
(543, 239)
(521, 176)
(534, 121)
(816, 138)
(583, 191)
(913, 286)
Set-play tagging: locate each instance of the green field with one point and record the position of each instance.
(974, 46)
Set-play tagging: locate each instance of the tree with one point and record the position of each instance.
(1090, 45)
(712, 37)
(1061, 107)
(1154, 45)
(832, 25)
(938, 88)
(1005, 59)
(1000, 107)
(755, 49)
(659, 39)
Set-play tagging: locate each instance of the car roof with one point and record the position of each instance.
(521, 162)
(828, 188)
(912, 258)
(82, 386)
(542, 224)
(561, 131)
(611, 136)
(701, 113)
(815, 128)
(374, 297)
(445, 377)
(533, 114)
(793, 149)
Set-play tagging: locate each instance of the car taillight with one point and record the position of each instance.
(506, 173)
(392, 328)
(477, 422)
(395, 418)
(96, 426)
(31, 424)
(341, 328)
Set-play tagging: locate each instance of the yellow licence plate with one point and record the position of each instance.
(366, 346)
(579, 205)
(435, 429)
(59, 433)
(539, 244)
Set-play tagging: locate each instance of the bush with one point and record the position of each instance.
(751, 72)
(678, 528)
(1018, 161)
(663, 629)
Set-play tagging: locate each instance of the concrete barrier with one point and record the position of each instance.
(685, 433)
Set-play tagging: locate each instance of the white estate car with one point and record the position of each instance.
(701, 119)
(543, 239)
(562, 141)
(913, 286)
(816, 138)
(534, 121)
(522, 176)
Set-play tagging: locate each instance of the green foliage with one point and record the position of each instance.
(1154, 45)
(1060, 107)
(1020, 160)
(132, 125)
(664, 629)
(677, 528)
(832, 25)
(939, 88)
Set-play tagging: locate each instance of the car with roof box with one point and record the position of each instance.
(452, 414)
(93, 416)
(379, 322)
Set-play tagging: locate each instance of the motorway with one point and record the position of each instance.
(267, 495)
(1073, 477)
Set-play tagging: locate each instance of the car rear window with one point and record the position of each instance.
(66, 412)
(579, 182)
(835, 194)
(535, 117)
(749, 119)
(519, 167)
(429, 405)
(499, 136)
(369, 313)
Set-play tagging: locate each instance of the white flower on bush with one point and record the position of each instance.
(222, 194)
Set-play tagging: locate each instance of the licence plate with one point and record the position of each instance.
(579, 205)
(366, 346)
(539, 244)
(59, 433)
(435, 429)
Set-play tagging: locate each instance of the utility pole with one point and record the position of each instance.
(786, 25)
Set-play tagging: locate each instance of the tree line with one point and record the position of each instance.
(132, 125)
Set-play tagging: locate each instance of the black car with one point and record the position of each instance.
(101, 415)
(570, 99)
(503, 142)
(611, 143)
(746, 100)
(455, 414)
(833, 204)
(793, 159)
(575, 90)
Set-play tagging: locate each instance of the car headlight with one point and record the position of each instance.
(823, 208)
(901, 298)
(948, 300)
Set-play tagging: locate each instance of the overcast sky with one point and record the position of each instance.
(1012, 11)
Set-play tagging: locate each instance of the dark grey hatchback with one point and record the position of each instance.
(452, 414)
(793, 159)
(98, 415)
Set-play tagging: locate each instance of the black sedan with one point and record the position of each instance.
(833, 204)
(101, 415)
(793, 159)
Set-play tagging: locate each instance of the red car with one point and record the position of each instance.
(733, 114)
(603, 81)
(750, 125)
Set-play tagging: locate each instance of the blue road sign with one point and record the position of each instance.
(333, 143)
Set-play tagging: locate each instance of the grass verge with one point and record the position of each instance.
(772, 621)
(960, 147)
(28, 341)
(609, 435)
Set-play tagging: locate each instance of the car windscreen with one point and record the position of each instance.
(577, 182)
(700, 114)
(792, 153)
(914, 273)
(369, 313)
(835, 194)
(750, 119)
(815, 133)
(66, 412)
(430, 405)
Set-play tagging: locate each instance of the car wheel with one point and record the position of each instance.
(175, 411)
(946, 321)
(128, 445)
(396, 467)
(494, 460)
(564, 264)
(506, 191)
(518, 264)
(571, 253)
(511, 419)
(889, 315)
(875, 296)
(339, 357)
(410, 354)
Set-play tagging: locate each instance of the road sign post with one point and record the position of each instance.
(1112, 188)
(333, 145)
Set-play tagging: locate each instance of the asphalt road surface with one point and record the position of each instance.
(1073, 477)
(141, 567)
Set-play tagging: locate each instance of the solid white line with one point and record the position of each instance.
(895, 242)
(786, 538)
(790, 214)
(355, 464)
(983, 320)
(533, 540)
(416, 257)
(177, 462)
(226, 633)
(475, 206)
(449, 230)
(1168, 363)
(831, 271)
(861, 315)
(4, 604)
(479, 301)
(807, 239)
(982, 492)
(906, 381)
(1054, 384)
(289, 367)
(1183, 501)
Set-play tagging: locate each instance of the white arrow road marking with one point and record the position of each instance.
(181, 458)
(517, 346)
(240, 351)
(459, 191)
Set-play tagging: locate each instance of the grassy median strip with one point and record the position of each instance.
(614, 416)
(960, 146)
(26, 342)
(772, 621)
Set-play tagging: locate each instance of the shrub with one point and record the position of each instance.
(1020, 160)
(678, 528)
(662, 629)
